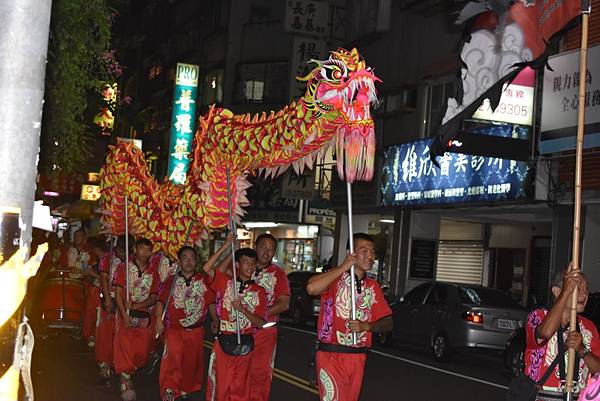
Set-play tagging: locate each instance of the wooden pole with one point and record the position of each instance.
(577, 211)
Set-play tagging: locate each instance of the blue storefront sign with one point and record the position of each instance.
(182, 122)
(409, 177)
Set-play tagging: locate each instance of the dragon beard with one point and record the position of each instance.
(355, 150)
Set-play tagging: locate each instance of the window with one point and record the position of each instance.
(154, 72)
(370, 16)
(481, 296)
(263, 82)
(254, 90)
(439, 295)
(416, 296)
(212, 87)
(436, 95)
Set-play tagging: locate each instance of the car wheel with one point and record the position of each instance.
(440, 347)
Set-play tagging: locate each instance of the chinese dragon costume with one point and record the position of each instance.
(335, 111)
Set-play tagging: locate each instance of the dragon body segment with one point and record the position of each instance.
(335, 111)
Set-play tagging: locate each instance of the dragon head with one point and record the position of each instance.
(341, 89)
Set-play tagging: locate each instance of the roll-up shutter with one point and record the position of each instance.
(460, 262)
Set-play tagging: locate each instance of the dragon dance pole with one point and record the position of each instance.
(351, 242)
(126, 251)
(577, 206)
(232, 229)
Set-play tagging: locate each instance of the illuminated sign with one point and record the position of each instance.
(105, 118)
(90, 192)
(93, 177)
(182, 121)
(516, 102)
(136, 142)
(410, 178)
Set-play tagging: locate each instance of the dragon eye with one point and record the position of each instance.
(331, 73)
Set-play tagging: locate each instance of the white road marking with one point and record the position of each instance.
(449, 372)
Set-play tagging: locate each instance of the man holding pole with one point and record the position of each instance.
(186, 297)
(343, 341)
(105, 328)
(241, 306)
(548, 335)
(274, 280)
(136, 291)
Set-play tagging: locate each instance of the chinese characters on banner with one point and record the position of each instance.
(304, 49)
(306, 17)
(182, 121)
(410, 178)
(560, 100)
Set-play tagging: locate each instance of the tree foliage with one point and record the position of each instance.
(79, 60)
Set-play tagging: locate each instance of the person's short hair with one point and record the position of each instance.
(143, 241)
(248, 252)
(266, 236)
(360, 236)
(120, 244)
(186, 248)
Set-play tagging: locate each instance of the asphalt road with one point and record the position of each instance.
(63, 370)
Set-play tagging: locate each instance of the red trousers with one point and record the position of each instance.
(340, 375)
(90, 313)
(261, 363)
(228, 376)
(182, 365)
(105, 335)
(131, 347)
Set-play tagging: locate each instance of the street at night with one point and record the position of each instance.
(362, 200)
(64, 371)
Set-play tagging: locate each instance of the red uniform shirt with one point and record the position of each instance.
(539, 356)
(141, 283)
(189, 300)
(274, 280)
(253, 296)
(110, 270)
(336, 308)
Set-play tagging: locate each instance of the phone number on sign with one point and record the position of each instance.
(504, 108)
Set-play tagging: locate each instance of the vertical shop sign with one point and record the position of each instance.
(182, 121)
(306, 17)
(304, 49)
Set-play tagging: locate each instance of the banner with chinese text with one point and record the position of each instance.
(182, 121)
(560, 102)
(410, 178)
(306, 17)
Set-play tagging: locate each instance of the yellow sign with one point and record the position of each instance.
(93, 177)
(90, 192)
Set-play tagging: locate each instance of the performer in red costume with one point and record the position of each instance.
(186, 300)
(274, 280)
(340, 362)
(229, 366)
(105, 329)
(92, 300)
(134, 336)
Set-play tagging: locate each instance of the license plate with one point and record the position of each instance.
(507, 324)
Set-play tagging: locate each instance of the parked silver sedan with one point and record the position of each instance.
(447, 316)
